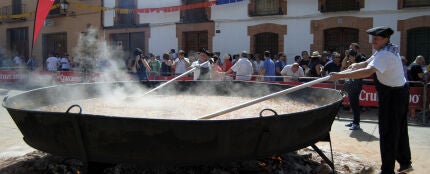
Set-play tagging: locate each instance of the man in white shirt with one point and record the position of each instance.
(393, 98)
(52, 63)
(181, 63)
(202, 72)
(293, 72)
(243, 67)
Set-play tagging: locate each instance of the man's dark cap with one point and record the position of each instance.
(381, 31)
(207, 52)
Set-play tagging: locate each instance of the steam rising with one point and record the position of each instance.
(90, 51)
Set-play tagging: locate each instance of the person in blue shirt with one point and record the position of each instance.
(279, 65)
(268, 68)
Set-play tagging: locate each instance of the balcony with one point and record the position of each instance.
(13, 13)
(194, 16)
(340, 5)
(267, 7)
(126, 20)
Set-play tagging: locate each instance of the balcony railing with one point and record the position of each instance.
(13, 13)
(126, 20)
(194, 15)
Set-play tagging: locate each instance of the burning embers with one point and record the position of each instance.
(303, 161)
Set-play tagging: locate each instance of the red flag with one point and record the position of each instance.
(42, 10)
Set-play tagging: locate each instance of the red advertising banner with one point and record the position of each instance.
(69, 77)
(369, 97)
(11, 75)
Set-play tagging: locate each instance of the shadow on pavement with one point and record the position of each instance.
(360, 135)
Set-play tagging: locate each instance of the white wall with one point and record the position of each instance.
(233, 38)
(108, 15)
(232, 11)
(302, 7)
(159, 18)
(372, 5)
(298, 38)
(163, 38)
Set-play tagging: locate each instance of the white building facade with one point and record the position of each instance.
(289, 26)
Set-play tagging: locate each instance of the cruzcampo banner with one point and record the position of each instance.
(42, 10)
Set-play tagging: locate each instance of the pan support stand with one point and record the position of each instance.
(323, 156)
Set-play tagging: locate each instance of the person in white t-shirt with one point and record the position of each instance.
(64, 63)
(18, 60)
(293, 72)
(243, 68)
(52, 63)
(181, 63)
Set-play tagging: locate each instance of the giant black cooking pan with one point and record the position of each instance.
(109, 139)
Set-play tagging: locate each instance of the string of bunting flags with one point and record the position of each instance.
(129, 11)
(23, 15)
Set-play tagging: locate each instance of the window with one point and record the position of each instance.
(129, 41)
(418, 43)
(54, 43)
(266, 42)
(339, 39)
(340, 5)
(194, 15)
(17, 7)
(266, 7)
(125, 18)
(18, 41)
(415, 3)
(194, 40)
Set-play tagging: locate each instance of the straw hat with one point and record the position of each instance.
(315, 54)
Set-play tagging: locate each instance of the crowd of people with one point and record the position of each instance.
(268, 66)
(265, 66)
(18, 61)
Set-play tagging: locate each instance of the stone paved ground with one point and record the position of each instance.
(365, 142)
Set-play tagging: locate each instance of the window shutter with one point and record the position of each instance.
(341, 5)
(416, 3)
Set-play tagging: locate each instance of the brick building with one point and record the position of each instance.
(278, 25)
(60, 32)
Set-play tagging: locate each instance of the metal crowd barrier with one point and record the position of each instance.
(85, 77)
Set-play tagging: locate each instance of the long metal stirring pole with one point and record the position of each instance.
(276, 94)
(171, 80)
